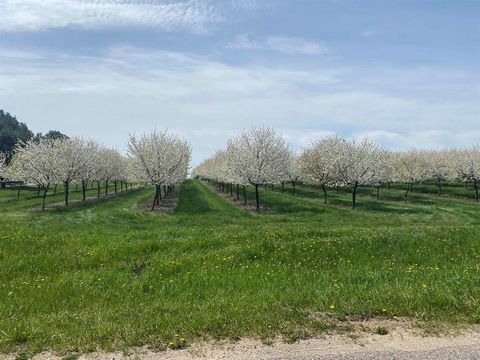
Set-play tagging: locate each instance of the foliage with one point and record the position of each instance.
(50, 135)
(11, 132)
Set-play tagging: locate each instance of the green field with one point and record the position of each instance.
(109, 275)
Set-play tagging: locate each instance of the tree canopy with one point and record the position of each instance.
(11, 131)
(50, 135)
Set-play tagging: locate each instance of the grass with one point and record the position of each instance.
(107, 275)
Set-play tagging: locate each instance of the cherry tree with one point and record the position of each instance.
(258, 156)
(466, 166)
(356, 164)
(316, 164)
(292, 173)
(3, 167)
(409, 168)
(88, 170)
(384, 170)
(72, 157)
(158, 158)
(437, 168)
(36, 161)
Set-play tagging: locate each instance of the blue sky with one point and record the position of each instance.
(404, 73)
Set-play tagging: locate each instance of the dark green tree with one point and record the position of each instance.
(50, 135)
(11, 131)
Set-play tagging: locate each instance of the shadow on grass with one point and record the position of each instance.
(76, 205)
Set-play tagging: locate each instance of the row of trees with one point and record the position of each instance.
(260, 156)
(157, 158)
(48, 162)
(12, 132)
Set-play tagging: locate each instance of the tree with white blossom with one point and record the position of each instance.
(3, 166)
(384, 170)
(437, 169)
(293, 173)
(36, 161)
(409, 168)
(158, 158)
(259, 156)
(465, 165)
(316, 164)
(87, 171)
(72, 157)
(356, 163)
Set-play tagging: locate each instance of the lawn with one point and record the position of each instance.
(109, 275)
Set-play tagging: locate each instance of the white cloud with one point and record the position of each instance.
(133, 90)
(287, 45)
(34, 15)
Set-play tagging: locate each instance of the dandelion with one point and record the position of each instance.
(424, 285)
(384, 310)
(332, 306)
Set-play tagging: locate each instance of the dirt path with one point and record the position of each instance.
(399, 344)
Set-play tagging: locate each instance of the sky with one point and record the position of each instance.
(404, 73)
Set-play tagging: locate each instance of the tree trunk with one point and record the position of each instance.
(406, 193)
(155, 199)
(44, 197)
(354, 195)
(98, 189)
(257, 197)
(38, 191)
(325, 196)
(106, 187)
(55, 190)
(76, 187)
(159, 194)
(18, 192)
(231, 190)
(165, 190)
(411, 187)
(293, 188)
(378, 192)
(283, 187)
(84, 185)
(238, 193)
(115, 184)
(66, 185)
(475, 184)
(439, 184)
(244, 195)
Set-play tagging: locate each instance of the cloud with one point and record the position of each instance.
(34, 15)
(283, 44)
(127, 89)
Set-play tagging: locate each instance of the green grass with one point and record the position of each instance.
(107, 275)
